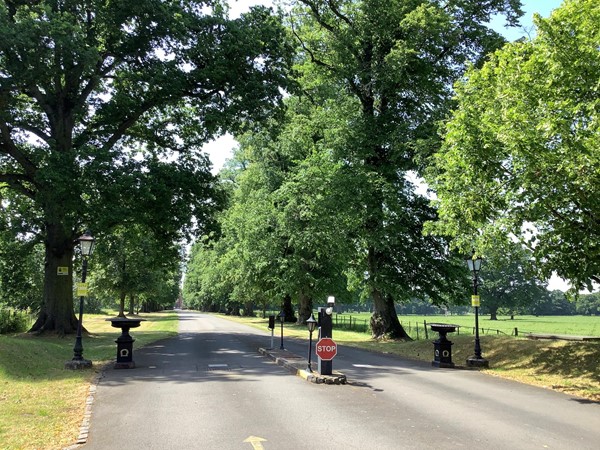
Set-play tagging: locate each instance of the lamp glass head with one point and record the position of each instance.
(311, 323)
(86, 241)
(474, 264)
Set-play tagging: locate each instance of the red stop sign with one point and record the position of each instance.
(326, 349)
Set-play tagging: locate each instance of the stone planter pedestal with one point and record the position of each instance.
(442, 347)
(125, 341)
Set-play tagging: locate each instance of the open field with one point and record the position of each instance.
(573, 325)
(571, 367)
(41, 403)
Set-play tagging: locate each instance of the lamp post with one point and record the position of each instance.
(311, 323)
(281, 319)
(476, 360)
(86, 243)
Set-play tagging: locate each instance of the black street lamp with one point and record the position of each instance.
(86, 243)
(311, 323)
(477, 360)
(281, 319)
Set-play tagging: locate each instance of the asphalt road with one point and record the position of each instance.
(209, 388)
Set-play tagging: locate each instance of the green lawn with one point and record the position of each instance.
(575, 325)
(41, 403)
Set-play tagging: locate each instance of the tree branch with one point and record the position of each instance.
(123, 127)
(15, 181)
(313, 59)
(338, 13)
(33, 130)
(8, 147)
(34, 92)
(95, 79)
(317, 15)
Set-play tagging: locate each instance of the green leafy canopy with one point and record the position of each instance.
(521, 158)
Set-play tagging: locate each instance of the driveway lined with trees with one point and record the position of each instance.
(209, 388)
(325, 197)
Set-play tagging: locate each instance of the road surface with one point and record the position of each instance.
(209, 388)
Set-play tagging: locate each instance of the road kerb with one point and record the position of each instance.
(298, 366)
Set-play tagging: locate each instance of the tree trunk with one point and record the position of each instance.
(131, 304)
(233, 309)
(122, 305)
(493, 313)
(384, 321)
(288, 309)
(305, 308)
(57, 313)
(249, 309)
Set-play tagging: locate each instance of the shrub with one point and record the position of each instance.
(13, 321)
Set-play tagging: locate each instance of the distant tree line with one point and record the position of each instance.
(549, 303)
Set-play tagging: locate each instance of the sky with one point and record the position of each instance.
(220, 149)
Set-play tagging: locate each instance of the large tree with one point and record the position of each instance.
(281, 238)
(508, 284)
(130, 262)
(104, 107)
(521, 157)
(391, 65)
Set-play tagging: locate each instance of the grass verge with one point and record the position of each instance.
(566, 366)
(41, 403)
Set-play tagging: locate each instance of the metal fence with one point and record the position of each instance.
(347, 322)
(416, 330)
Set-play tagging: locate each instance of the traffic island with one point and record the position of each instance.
(297, 365)
(314, 377)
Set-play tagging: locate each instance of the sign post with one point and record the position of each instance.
(326, 349)
(325, 365)
(271, 327)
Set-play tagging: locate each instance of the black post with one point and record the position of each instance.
(477, 360)
(78, 362)
(78, 349)
(326, 331)
(477, 343)
(309, 350)
(272, 328)
(281, 318)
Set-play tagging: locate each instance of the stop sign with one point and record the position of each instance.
(326, 349)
